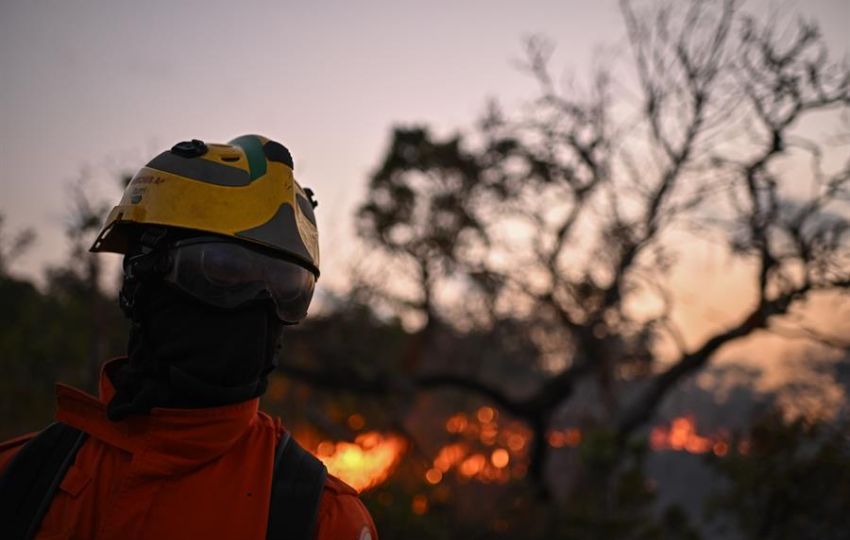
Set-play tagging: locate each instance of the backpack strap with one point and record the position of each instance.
(299, 478)
(29, 483)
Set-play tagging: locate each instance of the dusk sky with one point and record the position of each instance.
(97, 88)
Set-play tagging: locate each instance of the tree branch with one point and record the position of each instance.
(640, 412)
(383, 386)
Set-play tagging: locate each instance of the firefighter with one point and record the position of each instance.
(220, 252)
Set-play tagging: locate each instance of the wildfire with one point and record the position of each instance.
(366, 462)
(681, 435)
(570, 437)
(485, 449)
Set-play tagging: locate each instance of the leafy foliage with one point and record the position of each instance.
(793, 481)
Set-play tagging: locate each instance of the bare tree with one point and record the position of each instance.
(83, 272)
(12, 248)
(557, 227)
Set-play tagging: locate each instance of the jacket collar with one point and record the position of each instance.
(167, 441)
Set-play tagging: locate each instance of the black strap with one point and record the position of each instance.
(299, 478)
(31, 479)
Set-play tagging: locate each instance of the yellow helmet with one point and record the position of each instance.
(244, 189)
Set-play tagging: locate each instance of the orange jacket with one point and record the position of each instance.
(177, 474)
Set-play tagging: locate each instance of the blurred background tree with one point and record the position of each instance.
(532, 257)
(62, 332)
(793, 483)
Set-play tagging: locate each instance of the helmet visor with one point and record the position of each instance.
(228, 275)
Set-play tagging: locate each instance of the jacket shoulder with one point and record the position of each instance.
(336, 487)
(342, 515)
(14, 444)
(9, 449)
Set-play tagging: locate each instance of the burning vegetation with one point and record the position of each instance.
(366, 462)
(482, 447)
(681, 435)
(485, 448)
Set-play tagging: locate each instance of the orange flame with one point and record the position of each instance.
(681, 435)
(473, 433)
(488, 449)
(366, 462)
(569, 437)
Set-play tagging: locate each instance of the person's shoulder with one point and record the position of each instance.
(9, 449)
(12, 445)
(337, 487)
(342, 515)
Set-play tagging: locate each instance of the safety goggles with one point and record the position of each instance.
(228, 275)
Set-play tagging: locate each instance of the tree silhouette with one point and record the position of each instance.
(551, 233)
(14, 247)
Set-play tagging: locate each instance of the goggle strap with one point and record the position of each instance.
(151, 237)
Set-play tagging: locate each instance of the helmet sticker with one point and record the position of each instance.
(136, 194)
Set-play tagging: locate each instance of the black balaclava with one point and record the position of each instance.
(185, 354)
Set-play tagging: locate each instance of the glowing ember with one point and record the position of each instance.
(457, 423)
(433, 476)
(449, 456)
(500, 458)
(516, 442)
(419, 505)
(366, 462)
(570, 437)
(356, 422)
(681, 435)
(486, 414)
(486, 448)
(473, 465)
